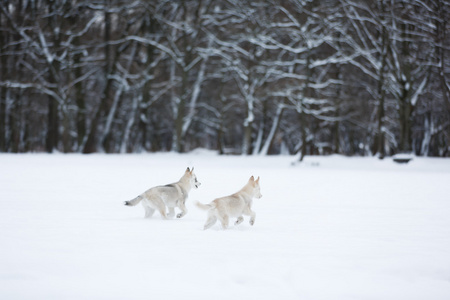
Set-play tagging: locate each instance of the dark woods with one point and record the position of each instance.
(253, 77)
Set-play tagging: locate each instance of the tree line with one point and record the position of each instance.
(243, 77)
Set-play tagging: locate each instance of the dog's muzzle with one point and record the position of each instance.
(197, 184)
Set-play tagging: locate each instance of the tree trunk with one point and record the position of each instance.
(148, 26)
(336, 137)
(440, 49)
(126, 136)
(15, 124)
(381, 139)
(91, 144)
(336, 127)
(441, 41)
(405, 121)
(248, 128)
(404, 78)
(53, 77)
(143, 115)
(302, 117)
(275, 124)
(105, 139)
(80, 102)
(16, 109)
(3, 76)
(51, 140)
(427, 134)
(180, 111)
(301, 106)
(220, 143)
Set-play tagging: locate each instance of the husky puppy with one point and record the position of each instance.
(170, 196)
(235, 205)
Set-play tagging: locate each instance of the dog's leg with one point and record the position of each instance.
(162, 211)
(148, 211)
(224, 220)
(171, 212)
(249, 212)
(160, 206)
(183, 209)
(210, 222)
(239, 220)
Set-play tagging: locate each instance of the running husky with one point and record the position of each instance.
(235, 205)
(170, 195)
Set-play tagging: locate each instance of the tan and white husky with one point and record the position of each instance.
(235, 205)
(170, 196)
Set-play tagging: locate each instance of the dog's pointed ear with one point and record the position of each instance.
(252, 179)
(187, 170)
(257, 180)
(192, 170)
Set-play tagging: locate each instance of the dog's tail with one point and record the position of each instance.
(133, 202)
(204, 206)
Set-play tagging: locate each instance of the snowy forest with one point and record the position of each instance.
(353, 77)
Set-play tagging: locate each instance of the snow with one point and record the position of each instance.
(327, 228)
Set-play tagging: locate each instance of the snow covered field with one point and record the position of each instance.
(329, 228)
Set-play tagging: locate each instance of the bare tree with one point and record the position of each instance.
(249, 77)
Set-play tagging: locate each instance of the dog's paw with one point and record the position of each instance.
(252, 222)
(179, 216)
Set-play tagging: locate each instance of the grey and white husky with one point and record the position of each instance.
(235, 205)
(170, 196)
